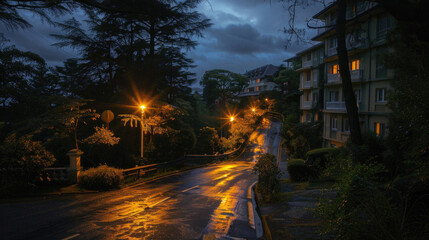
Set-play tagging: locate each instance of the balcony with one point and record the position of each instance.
(306, 64)
(315, 84)
(334, 78)
(332, 52)
(356, 76)
(336, 106)
(355, 44)
(306, 84)
(307, 104)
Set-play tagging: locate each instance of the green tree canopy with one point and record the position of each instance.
(223, 84)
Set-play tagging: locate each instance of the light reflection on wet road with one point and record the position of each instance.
(209, 201)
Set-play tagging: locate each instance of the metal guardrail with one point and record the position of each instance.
(275, 115)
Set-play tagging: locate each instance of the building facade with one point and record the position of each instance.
(260, 80)
(311, 79)
(367, 28)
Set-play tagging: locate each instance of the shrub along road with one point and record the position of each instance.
(200, 203)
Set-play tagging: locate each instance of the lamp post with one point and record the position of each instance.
(142, 107)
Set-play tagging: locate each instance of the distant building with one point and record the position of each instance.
(260, 80)
(367, 25)
(311, 75)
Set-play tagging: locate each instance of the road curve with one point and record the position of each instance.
(204, 203)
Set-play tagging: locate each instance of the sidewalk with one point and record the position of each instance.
(292, 217)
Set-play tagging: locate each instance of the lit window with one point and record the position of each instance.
(379, 129)
(380, 95)
(334, 69)
(355, 65)
(248, 90)
(316, 117)
(257, 89)
(258, 80)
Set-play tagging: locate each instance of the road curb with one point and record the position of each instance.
(255, 222)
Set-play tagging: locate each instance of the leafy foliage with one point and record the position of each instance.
(222, 84)
(409, 124)
(24, 153)
(299, 138)
(133, 45)
(100, 178)
(102, 136)
(208, 141)
(268, 176)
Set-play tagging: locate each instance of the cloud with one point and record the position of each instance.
(243, 39)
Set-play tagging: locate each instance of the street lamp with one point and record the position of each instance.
(253, 109)
(231, 119)
(142, 107)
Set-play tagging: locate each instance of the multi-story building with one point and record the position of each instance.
(367, 27)
(311, 75)
(260, 80)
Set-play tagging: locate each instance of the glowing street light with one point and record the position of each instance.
(253, 109)
(142, 107)
(231, 119)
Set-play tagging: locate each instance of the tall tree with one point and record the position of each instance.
(27, 84)
(221, 84)
(139, 44)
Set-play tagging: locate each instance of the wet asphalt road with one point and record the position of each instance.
(197, 204)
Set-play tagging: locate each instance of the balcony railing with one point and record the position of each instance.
(356, 76)
(306, 84)
(306, 64)
(315, 84)
(340, 106)
(307, 104)
(356, 44)
(332, 52)
(332, 78)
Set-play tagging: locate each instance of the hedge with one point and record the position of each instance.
(102, 177)
(297, 169)
(319, 151)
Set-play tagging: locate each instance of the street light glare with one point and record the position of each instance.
(142, 107)
(231, 119)
(253, 109)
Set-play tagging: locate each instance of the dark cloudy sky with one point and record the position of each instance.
(245, 34)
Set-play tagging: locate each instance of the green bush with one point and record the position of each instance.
(26, 154)
(208, 141)
(268, 176)
(297, 169)
(102, 177)
(364, 209)
(317, 160)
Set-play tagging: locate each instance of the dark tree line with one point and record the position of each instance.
(128, 50)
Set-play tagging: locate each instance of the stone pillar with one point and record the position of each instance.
(75, 168)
